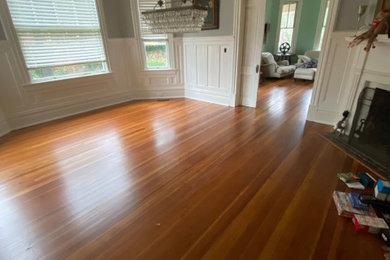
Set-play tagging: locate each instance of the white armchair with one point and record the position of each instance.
(306, 73)
(309, 56)
(272, 69)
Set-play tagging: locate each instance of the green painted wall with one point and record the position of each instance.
(271, 17)
(307, 25)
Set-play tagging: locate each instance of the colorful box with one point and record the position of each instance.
(383, 186)
(345, 208)
(354, 198)
(366, 179)
(369, 224)
(379, 195)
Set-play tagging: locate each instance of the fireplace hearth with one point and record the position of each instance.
(369, 136)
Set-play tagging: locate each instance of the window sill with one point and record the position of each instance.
(71, 80)
(160, 71)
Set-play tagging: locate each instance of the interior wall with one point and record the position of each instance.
(4, 128)
(308, 26)
(2, 33)
(118, 18)
(272, 15)
(25, 104)
(347, 14)
(208, 60)
(208, 63)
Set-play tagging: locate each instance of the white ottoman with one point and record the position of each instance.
(305, 73)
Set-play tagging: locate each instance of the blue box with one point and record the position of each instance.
(366, 179)
(383, 186)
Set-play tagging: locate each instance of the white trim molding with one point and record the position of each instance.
(326, 101)
(320, 23)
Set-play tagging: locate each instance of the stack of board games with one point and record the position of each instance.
(350, 180)
(382, 190)
(369, 224)
(345, 208)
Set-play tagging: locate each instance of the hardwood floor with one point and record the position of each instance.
(179, 179)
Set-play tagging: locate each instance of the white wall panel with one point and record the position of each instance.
(213, 65)
(209, 69)
(190, 64)
(329, 92)
(201, 65)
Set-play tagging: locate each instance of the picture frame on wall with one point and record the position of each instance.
(211, 22)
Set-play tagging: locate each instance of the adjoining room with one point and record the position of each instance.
(293, 36)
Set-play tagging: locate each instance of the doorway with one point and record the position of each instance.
(265, 24)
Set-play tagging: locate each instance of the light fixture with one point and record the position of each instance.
(182, 16)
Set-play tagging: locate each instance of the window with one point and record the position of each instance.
(59, 38)
(155, 46)
(322, 26)
(287, 23)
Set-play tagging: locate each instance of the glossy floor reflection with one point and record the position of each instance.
(177, 179)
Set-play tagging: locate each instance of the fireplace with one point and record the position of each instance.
(369, 135)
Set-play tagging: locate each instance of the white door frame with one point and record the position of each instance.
(238, 35)
(324, 54)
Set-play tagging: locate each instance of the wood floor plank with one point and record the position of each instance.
(179, 179)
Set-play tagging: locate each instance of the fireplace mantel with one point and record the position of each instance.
(375, 70)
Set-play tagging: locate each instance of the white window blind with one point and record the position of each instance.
(59, 38)
(146, 34)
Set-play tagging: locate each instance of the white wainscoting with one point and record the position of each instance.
(208, 63)
(162, 83)
(329, 98)
(30, 104)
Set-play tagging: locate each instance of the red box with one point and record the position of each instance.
(369, 224)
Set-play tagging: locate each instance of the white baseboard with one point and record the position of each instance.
(322, 117)
(207, 97)
(26, 118)
(176, 92)
(248, 102)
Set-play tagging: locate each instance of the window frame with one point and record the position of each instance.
(320, 23)
(12, 36)
(140, 43)
(297, 20)
(168, 67)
